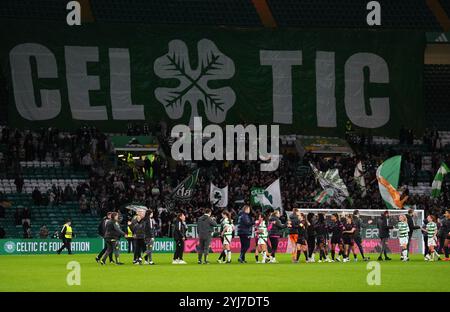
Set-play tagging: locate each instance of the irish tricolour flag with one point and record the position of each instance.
(437, 182)
(388, 174)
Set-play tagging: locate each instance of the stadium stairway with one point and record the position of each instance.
(84, 224)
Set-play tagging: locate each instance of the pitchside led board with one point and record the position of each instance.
(307, 81)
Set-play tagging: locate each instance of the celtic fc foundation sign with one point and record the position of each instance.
(308, 82)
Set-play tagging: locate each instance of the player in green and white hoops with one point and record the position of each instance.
(227, 234)
(263, 234)
(403, 230)
(431, 230)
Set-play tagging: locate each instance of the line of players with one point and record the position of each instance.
(307, 234)
(311, 233)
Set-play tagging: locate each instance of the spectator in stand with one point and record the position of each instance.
(68, 193)
(51, 198)
(4, 204)
(87, 161)
(26, 216)
(19, 183)
(83, 204)
(43, 232)
(26, 230)
(37, 197)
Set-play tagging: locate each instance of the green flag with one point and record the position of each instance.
(256, 195)
(185, 190)
(388, 174)
(438, 179)
(267, 198)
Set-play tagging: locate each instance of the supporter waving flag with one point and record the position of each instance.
(332, 184)
(438, 179)
(388, 174)
(184, 191)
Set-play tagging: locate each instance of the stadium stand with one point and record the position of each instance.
(195, 12)
(56, 165)
(437, 93)
(350, 14)
(411, 14)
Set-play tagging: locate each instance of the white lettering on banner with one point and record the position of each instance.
(163, 246)
(79, 83)
(354, 90)
(22, 81)
(122, 107)
(193, 86)
(54, 246)
(27, 247)
(372, 233)
(281, 62)
(43, 246)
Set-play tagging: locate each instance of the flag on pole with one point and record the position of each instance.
(267, 198)
(388, 174)
(185, 190)
(218, 196)
(359, 178)
(324, 196)
(332, 183)
(438, 179)
(256, 195)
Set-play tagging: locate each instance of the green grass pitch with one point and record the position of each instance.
(48, 273)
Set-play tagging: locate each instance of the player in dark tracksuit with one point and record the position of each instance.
(335, 228)
(205, 228)
(348, 236)
(384, 227)
(425, 237)
(276, 228)
(321, 237)
(302, 244)
(245, 225)
(357, 235)
(137, 226)
(149, 236)
(311, 235)
(112, 237)
(179, 234)
(446, 233)
(101, 232)
(411, 225)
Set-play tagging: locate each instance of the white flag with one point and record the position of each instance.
(359, 178)
(218, 196)
(272, 196)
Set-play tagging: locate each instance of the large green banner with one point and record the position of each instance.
(307, 81)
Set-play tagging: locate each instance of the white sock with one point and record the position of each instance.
(264, 257)
(404, 254)
(228, 255)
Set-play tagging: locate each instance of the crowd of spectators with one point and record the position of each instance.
(112, 184)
